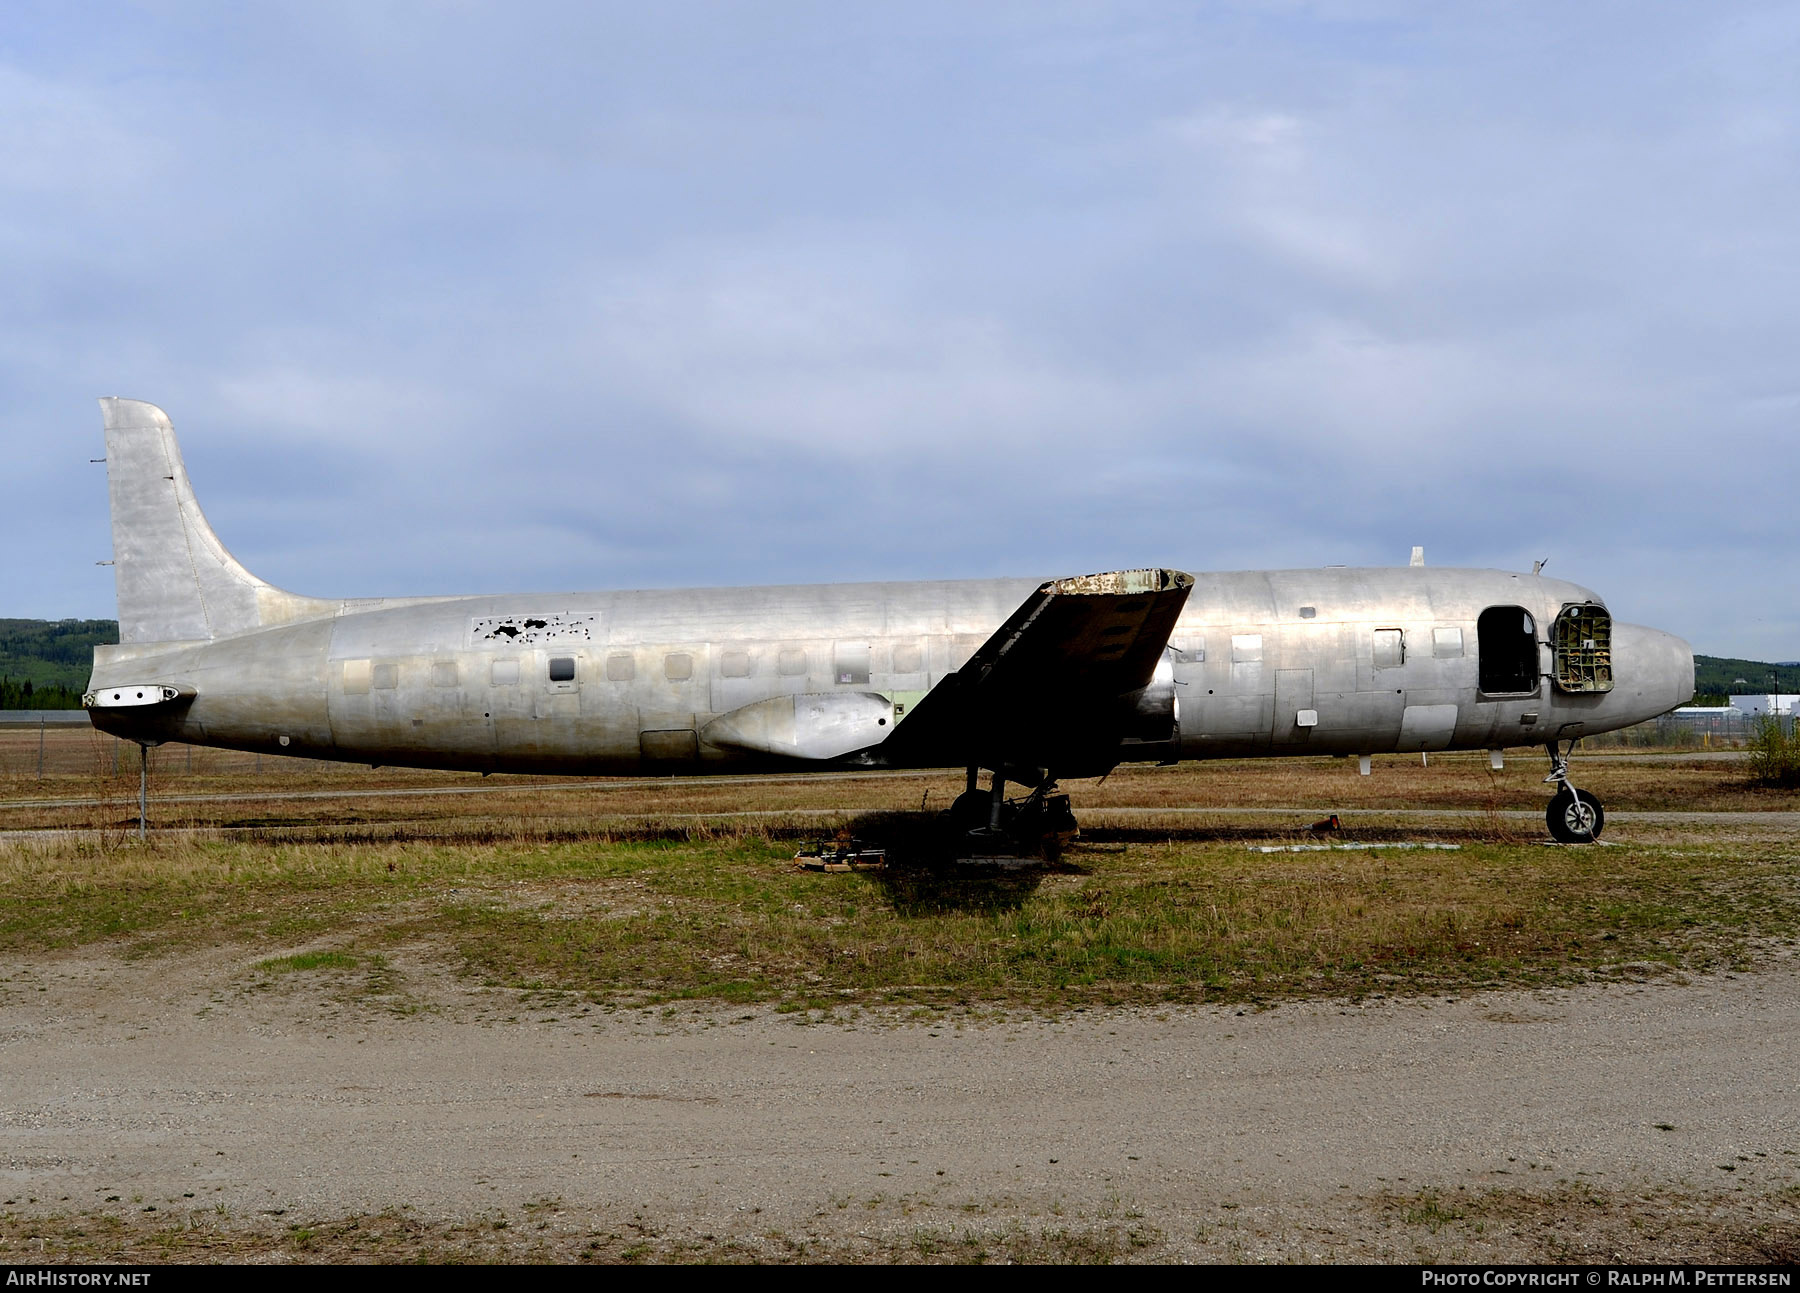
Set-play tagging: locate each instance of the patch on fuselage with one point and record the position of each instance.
(557, 626)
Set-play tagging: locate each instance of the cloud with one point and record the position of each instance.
(570, 295)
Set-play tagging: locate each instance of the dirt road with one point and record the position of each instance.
(201, 1083)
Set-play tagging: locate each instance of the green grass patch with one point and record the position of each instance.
(703, 912)
(308, 961)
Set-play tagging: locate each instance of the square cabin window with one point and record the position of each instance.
(792, 663)
(562, 668)
(678, 666)
(734, 664)
(620, 667)
(1446, 644)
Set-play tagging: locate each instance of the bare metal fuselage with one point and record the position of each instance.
(1334, 661)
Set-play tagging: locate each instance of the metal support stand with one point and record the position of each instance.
(143, 790)
(1559, 765)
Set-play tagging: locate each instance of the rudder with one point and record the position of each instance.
(176, 582)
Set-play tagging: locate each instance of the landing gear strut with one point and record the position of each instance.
(988, 818)
(1574, 816)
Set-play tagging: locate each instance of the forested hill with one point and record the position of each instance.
(1717, 678)
(44, 664)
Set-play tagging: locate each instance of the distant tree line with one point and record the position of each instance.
(44, 664)
(27, 695)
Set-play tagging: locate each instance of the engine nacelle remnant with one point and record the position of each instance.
(819, 725)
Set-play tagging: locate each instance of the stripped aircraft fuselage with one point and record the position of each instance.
(1029, 678)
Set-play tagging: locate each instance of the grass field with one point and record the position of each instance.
(391, 892)
(633, 893)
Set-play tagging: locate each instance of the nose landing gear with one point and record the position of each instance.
(1574, 816)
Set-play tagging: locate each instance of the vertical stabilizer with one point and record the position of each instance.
(176, 581)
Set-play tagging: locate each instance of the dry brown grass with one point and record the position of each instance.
(92, 784)
(642, 891)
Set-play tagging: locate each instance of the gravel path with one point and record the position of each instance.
(198, 1081)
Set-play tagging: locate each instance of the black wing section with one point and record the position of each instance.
(1058, 687)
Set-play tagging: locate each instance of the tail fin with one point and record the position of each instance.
(176, 581)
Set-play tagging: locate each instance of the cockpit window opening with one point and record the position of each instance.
(1582, 645)
(1506, 648)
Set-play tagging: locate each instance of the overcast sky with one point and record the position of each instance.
(484, 297)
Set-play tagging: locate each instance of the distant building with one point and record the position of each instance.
(1778, 703)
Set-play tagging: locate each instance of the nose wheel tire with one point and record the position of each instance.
(1574, 817)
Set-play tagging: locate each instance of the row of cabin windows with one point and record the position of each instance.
(851, 664)
(1506, 640)
(1507, 637)
(1390, 647)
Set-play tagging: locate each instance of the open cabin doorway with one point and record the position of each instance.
(1507, 651)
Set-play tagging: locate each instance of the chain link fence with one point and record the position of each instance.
(39, 747)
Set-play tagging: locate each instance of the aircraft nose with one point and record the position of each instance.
(1654, 669)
